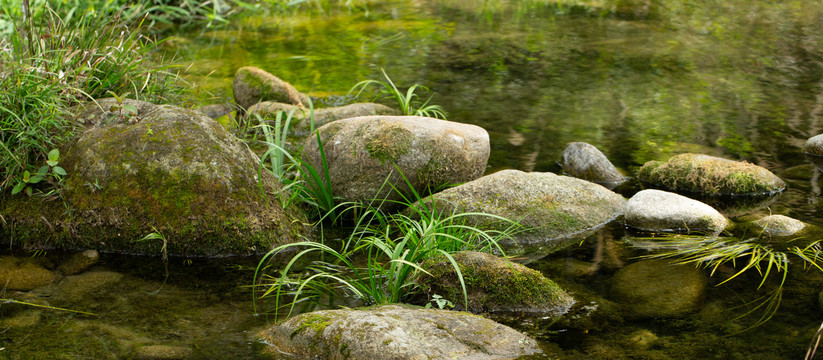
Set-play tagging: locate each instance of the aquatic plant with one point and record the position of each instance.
(380, 260)
(745, 255)
(407, 101)
(50, 65)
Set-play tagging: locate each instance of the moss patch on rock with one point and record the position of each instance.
(494, 285)
(710, 175)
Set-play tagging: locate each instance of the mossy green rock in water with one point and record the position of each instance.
(364, 152)
(253, 85)
(494, 285)
(301, 117)
(395, 332)
(710, 175)
(656, 288)
(551, 208)
(165, 169)
(22, 273)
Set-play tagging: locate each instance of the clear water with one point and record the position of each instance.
(736, 78)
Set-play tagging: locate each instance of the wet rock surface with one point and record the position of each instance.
(550, 208)
(710, 175)
(585, 161)
(365, 154)
(656, 210)
(23, 273)
(253, 85)
(395, 332)
(495, 285)
(656, 288)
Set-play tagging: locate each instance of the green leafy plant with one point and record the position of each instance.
(52, 173)
(409, 105)
(745, 255)
(380, 260)
(441, 302)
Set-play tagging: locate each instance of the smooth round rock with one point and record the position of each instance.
(587, 162)
(656, 288)
(395, 332)
(22, 273)
(780, 225)
(814, 145)
(656, 210)
(252, 85)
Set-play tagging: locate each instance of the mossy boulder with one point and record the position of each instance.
(656, 288)
(79, 262)
(395, 332)
(656, 210)
(587, 162)
(709, 175)
(301, 117)
(166, 170)
(366, 156)
(552, 209)
(253, 85)
(23, 273)
(494, 285)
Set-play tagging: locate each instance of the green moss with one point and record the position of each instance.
(710, 175)
(389, 144)
(315, 322)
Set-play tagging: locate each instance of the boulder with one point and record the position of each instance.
(656, 288)
(779, 226)
(79, 262)
(551, 208)
(395, 332)
(814, 146)
(366, 155)
(301, 117)
(163, 352)
(494, 285)
(253, 85)
(23, 273)
(710, 175)
(585, 161)
(656, 210)
(162, 170)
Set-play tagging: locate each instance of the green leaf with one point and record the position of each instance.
(43, 170)
(28, 190)
(18, 188)
(34, 179)
(54, 155)
(130, 109)
(59, 171)
(26, 176)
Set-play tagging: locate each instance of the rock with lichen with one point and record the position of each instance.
(301, 120)
(551, 210)
(381, 157)
(585, 161)
(395, 332)
(656, 210)
(162, 170)
(709, 175)
(252, 85)
(657, 288)
(494, 285)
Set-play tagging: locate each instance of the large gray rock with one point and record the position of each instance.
(365, 153)
(395, 332)
(166, 170)
(301, 117)
(253, 85)
(656, 288)
(551, 208)
(494, 285)
(656, 210)
(710, 175)
(585, 161)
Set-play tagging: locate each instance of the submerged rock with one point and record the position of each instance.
(656, 288)
(551, 208)
(585, 161)
(162, 352)
(79, 262)
(253, 85)
(710, 175)
(780, 225)
(395, 332)
(301, 117)
(656, 210)
(494, 285)
(166, 170)
(368, 155)
(23, 273)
